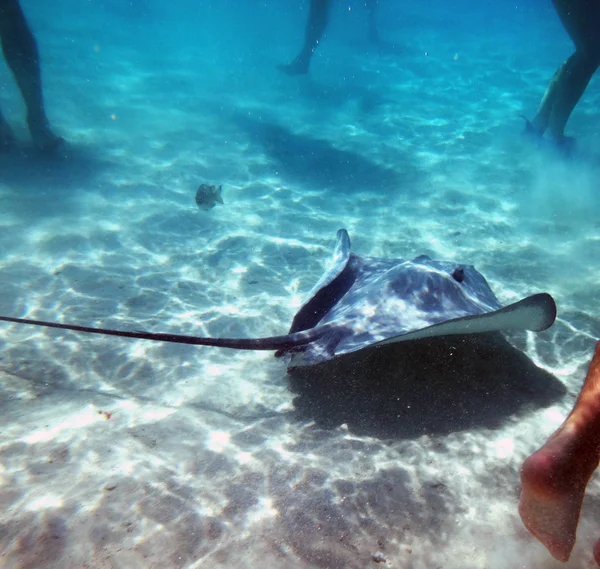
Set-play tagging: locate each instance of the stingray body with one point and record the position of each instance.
(363, 303)
(369, 302)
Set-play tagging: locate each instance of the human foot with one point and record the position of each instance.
(555, 477)
(531, 130)
(564, 144)
(43, 137)
(299, 66)
(553, 485)
(8, 140)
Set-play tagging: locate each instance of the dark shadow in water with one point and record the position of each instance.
(364, 92)
(432, 386)
(44, 185)
(316, 163)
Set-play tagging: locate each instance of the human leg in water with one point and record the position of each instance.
(8, 141)
(318, 17)
(555, 477)
(372, 20)
(579, 69)
(21, 55)
(581, 19)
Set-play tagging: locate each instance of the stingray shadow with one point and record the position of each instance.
(431, 386)
(314, 162)
(36, 185)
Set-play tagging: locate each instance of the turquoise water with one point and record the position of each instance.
(124, 453)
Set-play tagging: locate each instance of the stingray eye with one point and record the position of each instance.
(458, 275)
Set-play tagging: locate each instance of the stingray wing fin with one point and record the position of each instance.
(536, 312)
(334, 283)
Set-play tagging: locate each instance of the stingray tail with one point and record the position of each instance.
(283, 344)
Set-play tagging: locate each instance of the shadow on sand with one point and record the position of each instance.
(38, 185)
(432, 386)
(316, 163)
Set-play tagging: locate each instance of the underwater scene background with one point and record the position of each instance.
(118, 453)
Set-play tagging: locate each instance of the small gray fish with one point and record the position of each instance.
(208, 197)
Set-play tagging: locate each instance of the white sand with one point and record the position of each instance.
(202, 461)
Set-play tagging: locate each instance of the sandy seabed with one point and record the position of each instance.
(122, 453)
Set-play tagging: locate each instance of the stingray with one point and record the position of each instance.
(362, 303)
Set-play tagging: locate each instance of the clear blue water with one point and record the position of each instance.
(125, 453)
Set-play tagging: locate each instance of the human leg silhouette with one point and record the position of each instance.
(318, 18)
(581, 20)
(21, 55)
(7, 138)
(372, 20)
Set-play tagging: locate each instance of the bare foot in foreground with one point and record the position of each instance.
(555, 477)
